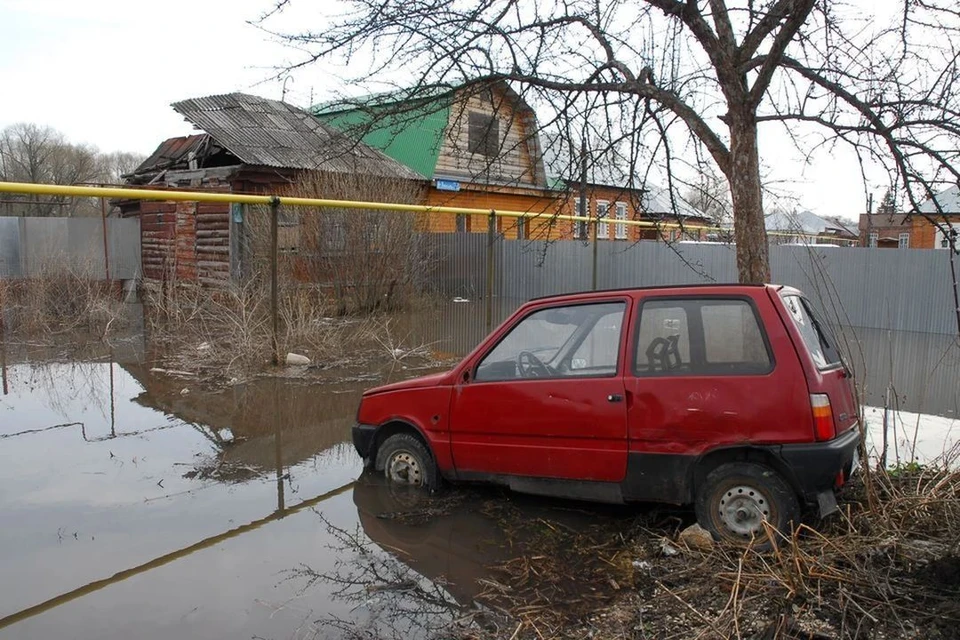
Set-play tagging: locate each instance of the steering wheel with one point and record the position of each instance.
(530, 366)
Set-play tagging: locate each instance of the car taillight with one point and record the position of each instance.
(822, 416)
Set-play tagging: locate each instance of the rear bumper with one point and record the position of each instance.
(815, 466)
(363, 439)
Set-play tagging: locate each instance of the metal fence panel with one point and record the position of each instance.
(907, 290)
(9, 248)
(31, 246)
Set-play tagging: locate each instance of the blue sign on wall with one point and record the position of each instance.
(448, 185)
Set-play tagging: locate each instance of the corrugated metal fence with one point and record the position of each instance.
(877, 288)
(892, 308)
(31, 246)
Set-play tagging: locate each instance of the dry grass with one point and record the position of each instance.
(229, 332)
(61, 299)
(888, 572)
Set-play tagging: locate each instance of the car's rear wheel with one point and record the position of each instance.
(736, 498)
(405, 460)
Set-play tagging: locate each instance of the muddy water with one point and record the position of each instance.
(138, 504)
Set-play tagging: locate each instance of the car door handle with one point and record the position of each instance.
(614, 397)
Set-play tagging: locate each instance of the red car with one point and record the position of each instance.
(732, 398)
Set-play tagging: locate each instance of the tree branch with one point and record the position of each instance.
(801, 9)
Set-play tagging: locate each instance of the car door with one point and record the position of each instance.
(705, 375)
(547, 400)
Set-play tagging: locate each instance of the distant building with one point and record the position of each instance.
(806, 227)
(915, 230)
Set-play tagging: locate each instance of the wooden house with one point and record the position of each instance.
(477, 148)
(247, 144)
(480, 147)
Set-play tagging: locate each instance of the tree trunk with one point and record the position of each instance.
(750, 233)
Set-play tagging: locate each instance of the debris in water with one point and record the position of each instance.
(297, 360)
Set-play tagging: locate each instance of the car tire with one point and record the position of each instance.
(405, 460)
(735, 498)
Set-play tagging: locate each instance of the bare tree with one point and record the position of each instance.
(32, 153)
(39, 154)
(116, 164)
(370, 260)
(711, 195)
(642, 75)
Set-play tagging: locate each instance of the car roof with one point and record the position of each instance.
(733, 286)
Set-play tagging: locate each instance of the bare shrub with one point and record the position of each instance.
(61, 298)
(231, 331)
(360, 260)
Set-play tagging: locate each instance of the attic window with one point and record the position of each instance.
(484, 134)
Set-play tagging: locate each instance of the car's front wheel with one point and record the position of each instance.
(736, 498)
(405, 460)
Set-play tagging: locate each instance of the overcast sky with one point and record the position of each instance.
(104, 72)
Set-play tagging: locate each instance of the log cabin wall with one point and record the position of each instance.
(158, 222)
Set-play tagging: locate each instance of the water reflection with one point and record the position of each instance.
(113, 474)
(417, 564)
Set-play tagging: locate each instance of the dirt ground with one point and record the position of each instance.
(888, 572)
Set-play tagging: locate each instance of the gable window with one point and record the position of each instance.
(904, 241)
(483, 134)
(580, 226)
(620, 230)
(603, 228)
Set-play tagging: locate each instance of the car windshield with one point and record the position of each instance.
(818, 340)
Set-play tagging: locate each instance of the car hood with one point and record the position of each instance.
(432, 380)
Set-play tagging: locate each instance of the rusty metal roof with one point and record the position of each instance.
(270, 133)
(172, 152)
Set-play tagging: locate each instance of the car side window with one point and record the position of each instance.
(569, 341)
(663, 341)
(700, 337)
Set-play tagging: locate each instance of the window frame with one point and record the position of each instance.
(714, 298)
(873, 240)
(941, 239)
(603, 228)
(620, 229)
(487, 143)
(617, 372)
(903, 240)
(581, 227)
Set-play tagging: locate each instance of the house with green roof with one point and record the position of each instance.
(479, 146)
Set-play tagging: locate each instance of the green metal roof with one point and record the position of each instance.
(411, 135)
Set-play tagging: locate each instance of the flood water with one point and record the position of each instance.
(135, 504)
